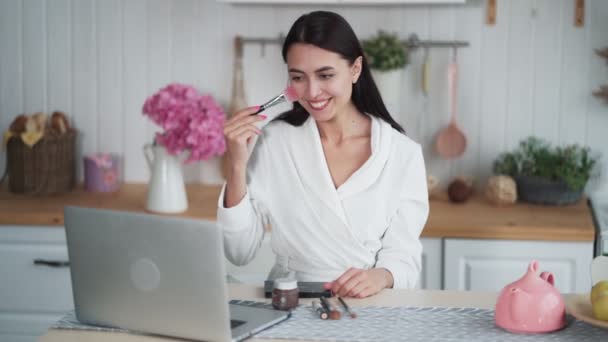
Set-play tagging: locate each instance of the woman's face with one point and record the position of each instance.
(322, 80)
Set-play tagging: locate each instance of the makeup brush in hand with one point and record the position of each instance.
(289, 94)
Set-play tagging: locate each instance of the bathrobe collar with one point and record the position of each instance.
(307, 153)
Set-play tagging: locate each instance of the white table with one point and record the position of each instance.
(237, 291)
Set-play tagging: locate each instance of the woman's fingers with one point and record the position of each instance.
(343, 279)
(366, 292)
(358, 283)
(242, 133)
(246, 120)
(355, 281)
(249, 111)
(357, 290)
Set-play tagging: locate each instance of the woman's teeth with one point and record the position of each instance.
(318, 105)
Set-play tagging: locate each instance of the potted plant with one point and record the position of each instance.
(546, 174)
(387, 57)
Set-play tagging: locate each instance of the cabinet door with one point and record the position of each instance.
(32, 296)
(430, 274)
(22, 327)
(489, 265)
(257, 270)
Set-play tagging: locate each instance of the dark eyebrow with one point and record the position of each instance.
(325, 68)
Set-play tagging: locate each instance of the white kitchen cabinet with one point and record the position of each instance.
(257, 270)
(489, 265)
(32, 296)
(431, 273)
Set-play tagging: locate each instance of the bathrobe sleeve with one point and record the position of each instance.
(401, 250)
(243, 225)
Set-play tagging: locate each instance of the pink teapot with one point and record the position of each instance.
(531, 304)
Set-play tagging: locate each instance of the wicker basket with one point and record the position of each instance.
(46, 168)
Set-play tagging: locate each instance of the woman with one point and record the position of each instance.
(341, 185)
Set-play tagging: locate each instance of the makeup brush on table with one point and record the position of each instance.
(347, 308)
(334, 314)
(289, 94)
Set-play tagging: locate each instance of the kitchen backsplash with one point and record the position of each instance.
(530, 74)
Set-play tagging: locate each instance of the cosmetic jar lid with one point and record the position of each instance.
(285, 284)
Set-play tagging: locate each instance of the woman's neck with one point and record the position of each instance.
(350, 123)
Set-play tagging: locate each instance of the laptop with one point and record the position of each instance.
(155, 274)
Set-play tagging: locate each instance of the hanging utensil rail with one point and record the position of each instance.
(263, 41)
(412, 43)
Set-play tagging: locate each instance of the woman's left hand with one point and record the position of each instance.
(359, 283)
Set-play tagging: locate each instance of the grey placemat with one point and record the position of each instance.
(69, 321)
(379, 324)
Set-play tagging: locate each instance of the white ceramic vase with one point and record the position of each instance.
(389, 85)
(166, 190)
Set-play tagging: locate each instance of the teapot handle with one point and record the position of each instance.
(149, 154)
(548, 277)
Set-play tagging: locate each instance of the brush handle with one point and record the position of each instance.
(275, 101)
(259, 110)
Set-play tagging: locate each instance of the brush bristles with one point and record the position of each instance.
(290, 94)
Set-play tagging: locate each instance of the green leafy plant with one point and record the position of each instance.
(535, 157)
(385, 52)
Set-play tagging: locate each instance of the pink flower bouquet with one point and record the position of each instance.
(191, 121)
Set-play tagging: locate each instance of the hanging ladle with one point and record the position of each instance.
(451, 142)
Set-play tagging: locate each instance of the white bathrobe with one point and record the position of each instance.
(372, 220)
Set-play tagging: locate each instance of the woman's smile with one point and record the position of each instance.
(319, 105)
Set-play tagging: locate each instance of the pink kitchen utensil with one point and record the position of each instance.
(451, 142)
(531, 304)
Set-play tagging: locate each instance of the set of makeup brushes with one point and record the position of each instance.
(328, 310)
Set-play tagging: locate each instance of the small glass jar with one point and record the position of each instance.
(285, 294)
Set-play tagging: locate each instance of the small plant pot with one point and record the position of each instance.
(543, 191)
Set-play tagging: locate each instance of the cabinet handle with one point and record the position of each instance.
(51, 263)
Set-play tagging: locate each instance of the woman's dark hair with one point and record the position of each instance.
(330, 31)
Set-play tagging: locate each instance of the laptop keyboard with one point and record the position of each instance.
(235, 323)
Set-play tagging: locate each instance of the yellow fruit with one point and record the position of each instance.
(600, 307)
(599, 288)
(599, 300)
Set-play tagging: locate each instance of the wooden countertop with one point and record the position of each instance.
(475, 219)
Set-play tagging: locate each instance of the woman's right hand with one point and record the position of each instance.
(239, 131)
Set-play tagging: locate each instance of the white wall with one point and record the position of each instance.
(532, 73)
